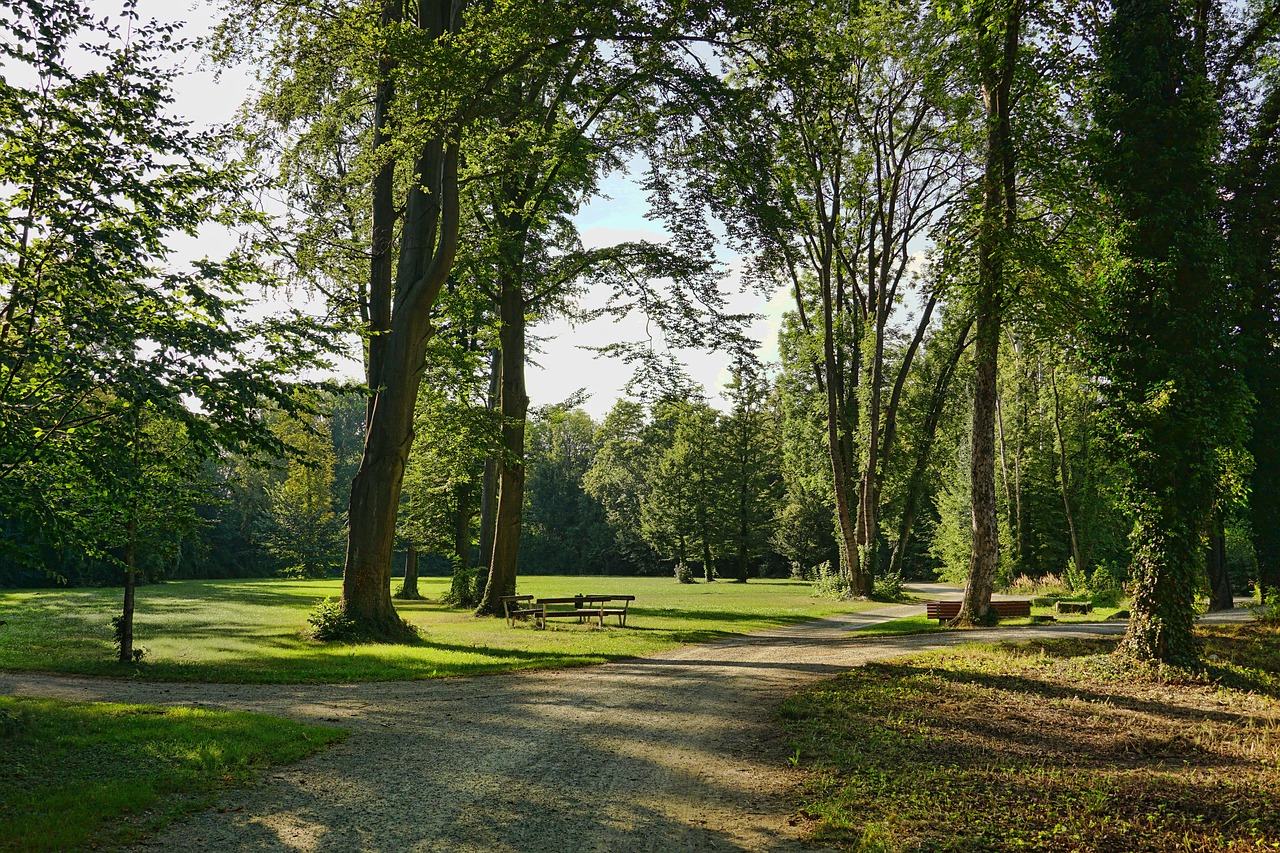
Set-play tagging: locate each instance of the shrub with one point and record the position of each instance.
(1105, 587)
(329, 621)
(888, 587)
(1075, 578)
(684, 574)
(832, 583)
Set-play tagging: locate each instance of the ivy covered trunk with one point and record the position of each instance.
(1166, 342)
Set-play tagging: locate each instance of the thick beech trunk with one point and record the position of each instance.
(997, 51)
(375, 308)
(514, 406)
(427, 247)
(428, 244)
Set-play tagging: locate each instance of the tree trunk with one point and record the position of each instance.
(410, 588)
(1162, 592)
(514, 404)
(742, 527)
(124, 629)
(462, 590)
(428, 245)
(1064, 476)
(375, 306)
(848, 534)
(489, 485)
(1220, 594)
(708, 567)
(998, 210)
(924, 451)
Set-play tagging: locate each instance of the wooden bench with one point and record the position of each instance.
(945, 611)
(584, 607)
(522, 607)
(1074, 606)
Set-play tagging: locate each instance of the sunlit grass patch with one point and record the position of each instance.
(75, 772)
(252, 630)
(1053, 745)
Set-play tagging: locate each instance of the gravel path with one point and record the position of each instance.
(678, 751)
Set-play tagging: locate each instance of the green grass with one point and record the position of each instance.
(77, 773)
(1052, 745)
(251, 630)
(923, 625)
(898, 627)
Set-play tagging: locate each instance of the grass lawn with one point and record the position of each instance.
(1052, 745)
(250, 630)
(923, 625)
(75, 773)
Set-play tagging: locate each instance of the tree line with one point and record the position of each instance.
(1029, 247)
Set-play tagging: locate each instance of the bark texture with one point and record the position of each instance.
(998, 38)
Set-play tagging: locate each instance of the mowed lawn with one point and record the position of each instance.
(78, 773)
(252, 630)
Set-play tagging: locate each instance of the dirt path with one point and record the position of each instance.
(679, 751)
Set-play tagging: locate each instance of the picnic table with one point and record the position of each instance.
(584, 607)
(580, 607)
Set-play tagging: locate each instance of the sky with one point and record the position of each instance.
(564, 366)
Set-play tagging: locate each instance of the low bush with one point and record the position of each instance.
(330, 622)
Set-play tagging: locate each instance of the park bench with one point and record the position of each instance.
(522, 607)
(1075, 606)
(947, 610)
(584, 607)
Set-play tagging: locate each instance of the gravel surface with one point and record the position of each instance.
(678, 751)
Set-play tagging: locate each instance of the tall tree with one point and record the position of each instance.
(840, 161)
(996, 29)
(750, 479)
(102, 333)
(1176, 405)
